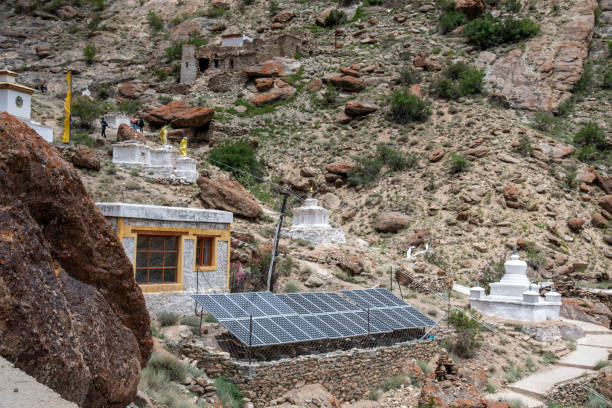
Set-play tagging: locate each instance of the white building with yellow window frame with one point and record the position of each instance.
(175, 251)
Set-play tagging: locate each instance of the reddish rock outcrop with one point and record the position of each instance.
(165, 114)
(130, 90)
(284, 17)
(85, 158)
(193, 117)
(125, 132)
(348, 83)
(606, 203)
(228, 195)
(71, 314)
(599, 221)
(265, 69)
(264, 84)
(575, 224)
(586, 310)
(391, 222)
(604, 182)
(340, 169)
(273, 96)
(436, 155)
(541, 73)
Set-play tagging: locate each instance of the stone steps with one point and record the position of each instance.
(584, 357)
(538, 385)
(596, 340)
(589, 328)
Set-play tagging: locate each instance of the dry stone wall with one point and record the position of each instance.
(348, 375)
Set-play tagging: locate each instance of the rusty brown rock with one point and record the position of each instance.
(276, 26)
(416, 91)
(419, 238)
(66, 12)
(391, 222)
(284, 17)
(268, 68)
(351, 72)
(471, 8)
(264, 84)
(599, 221)
(575, 224)
(360, 108)
(85, 158)
(129, 90)
(604, 182)
(43, 51)
(273, 96)
(400, 18)
(228, 195)
(606, 203)
(315, 85)
(340, 169)
(71, 314)
(193, 117)
(348, 83)
(165, 114)
(125, 132)
(436, 155)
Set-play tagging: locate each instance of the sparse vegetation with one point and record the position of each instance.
(229, 394)
(238, 158)
(155, 21)
(458, 164)
(458, 80)
(90, 53)
(166, 363)
(468, 332)
(488, 31)
(591, 143)
(167, 318)
(407, 108)
(87, 110)
(601, 364)
(292, 286)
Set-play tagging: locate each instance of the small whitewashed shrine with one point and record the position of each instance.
(163, 162)
(16, 99)
(311, 223)
(515, 297)
(176, 252)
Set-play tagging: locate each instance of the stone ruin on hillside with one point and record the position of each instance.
(195, 61)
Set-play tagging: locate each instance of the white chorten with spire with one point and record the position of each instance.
(515, 297)
(311, 223)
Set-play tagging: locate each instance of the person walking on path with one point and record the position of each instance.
(134, 122)
(141, 125)
(104, 125)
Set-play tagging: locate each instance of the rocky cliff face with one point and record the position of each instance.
(71, 314)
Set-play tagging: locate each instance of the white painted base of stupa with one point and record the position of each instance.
(517, 309)
(315, 235)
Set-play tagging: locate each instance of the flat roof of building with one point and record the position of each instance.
(162, 213)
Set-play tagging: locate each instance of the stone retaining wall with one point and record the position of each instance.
(348, 375)
(570, 394)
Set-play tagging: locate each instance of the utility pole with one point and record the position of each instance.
(276, 238)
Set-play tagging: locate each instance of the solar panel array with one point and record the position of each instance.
(300, 317)
(388, 308)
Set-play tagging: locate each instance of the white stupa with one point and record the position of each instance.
(311, 223)
(514, 297)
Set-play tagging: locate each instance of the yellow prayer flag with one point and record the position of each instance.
(163, 135)
(66, 136)
(183, 147)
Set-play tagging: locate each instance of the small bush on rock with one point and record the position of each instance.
(407, 108)
(229, 394)
(488, 31)
(450, 20)
(591, 142)
(155, 21)
(365, 172)
(468, 329)
(89, 52)
(168, 364)
(409, 76)
(458, 164)
(607, 80)
(87, 109)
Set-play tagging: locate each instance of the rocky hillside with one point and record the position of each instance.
(408, 122)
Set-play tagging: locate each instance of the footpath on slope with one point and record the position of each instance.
(19, 390)
(590, 349)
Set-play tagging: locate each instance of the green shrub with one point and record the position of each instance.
(167, 318)
(165, 363)
(607, 80)
(365, 172)
(446, 88)
(335, 17)
(175, 51)
(161, 74)
(407, 108)
(89, 52)
(95, 21)
(409, 76)
(595, 401)
(524, 147)
(513, 374)
(488, 31)
(391, 157)
(193, 321)
(566, 107)
(548, 357)
(458, 80)
(543, 121)
(370, 3)
(81, 137)
(586, 81)
(210, 319)
(450, 20)
(591, 142)
(229, 394)
(601, 364)
(292, 287)
(424, 367)
(471, 81)
(155, 21)
(397, 381)
(468, 329)
(238, 158)
(129, 107)
(491, 388)
(87, 109)
(103, 91)
(458, 164)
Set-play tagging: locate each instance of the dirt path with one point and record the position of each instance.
(19, 390)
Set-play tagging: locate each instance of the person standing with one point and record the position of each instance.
(141, 125)
(43, 88)
(104, 125)
(134, 122)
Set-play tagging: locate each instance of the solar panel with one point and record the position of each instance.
(323, 327)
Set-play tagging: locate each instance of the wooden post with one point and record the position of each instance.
(276, 239)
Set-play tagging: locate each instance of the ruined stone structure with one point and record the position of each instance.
(348, 375)
(175, 251)
(445, 369)
(195, 61)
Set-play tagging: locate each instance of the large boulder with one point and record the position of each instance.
(273, 96)
(130, 91)
(606, 203)
(125, 132)
(604, 182)
(340, 169)
(85, 158)
(348, 83)
(165, 114)
(471, 8)
(391, 222)
(193, 117)
(360, 108)
(71, 314)
(586, 310)
(270, 68)
(228, 195)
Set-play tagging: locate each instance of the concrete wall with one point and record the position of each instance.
(348, 375)
(189, 67)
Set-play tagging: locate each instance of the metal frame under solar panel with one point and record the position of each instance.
(388, 306)
(334, 315)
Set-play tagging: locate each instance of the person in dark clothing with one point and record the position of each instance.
(104, 125)
(141, 125)
(43, 88)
